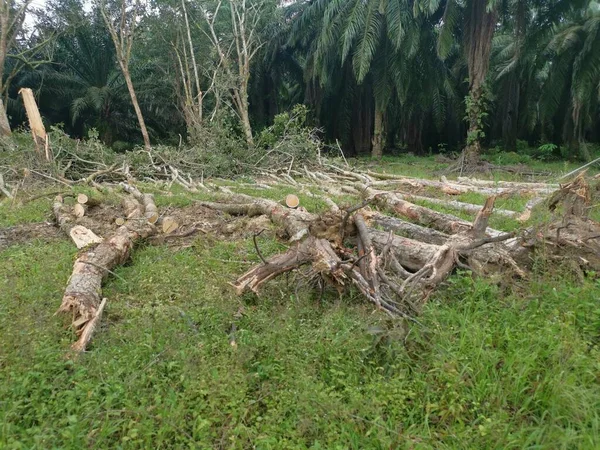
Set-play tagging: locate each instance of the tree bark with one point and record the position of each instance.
(4, 124)
(245, 118)
(479, 34)
(136, 105)
(377, 143)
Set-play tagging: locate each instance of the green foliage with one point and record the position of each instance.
(344, 59)
(476, 114)
(291, 136)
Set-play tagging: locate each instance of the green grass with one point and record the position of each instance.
(492, 367)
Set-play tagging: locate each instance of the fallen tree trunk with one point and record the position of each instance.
(456, 188)
(408, 229)
(446, 223)
(461, 206)
(83, 292)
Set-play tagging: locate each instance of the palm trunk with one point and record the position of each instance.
(136, 106)
(377, 142)
(479, 47)
(510, 118)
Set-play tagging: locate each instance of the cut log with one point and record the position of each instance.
(146, 201)
(64, 219)
(408, 229)
(292, 201)
(455, 188)
(446, 223)
(526, 186)
(84, 199)
(83, 292)
(461, 206)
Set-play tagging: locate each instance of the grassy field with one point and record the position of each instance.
(489, 367)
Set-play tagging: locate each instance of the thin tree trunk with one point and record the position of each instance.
(136, 106)
(4, 17)
(196, 77)
(245, 118)
(510, 118)
(377, 150)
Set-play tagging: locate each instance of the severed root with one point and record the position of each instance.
(311, 250)
(572, 235)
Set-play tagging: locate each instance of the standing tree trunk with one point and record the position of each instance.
(479, 34)
(510, 116)
(377, 151)
(5, 11)
(122, 31)
(136, 105)
(4, 125)
(240, 99)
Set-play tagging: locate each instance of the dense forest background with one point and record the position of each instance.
(375, 76)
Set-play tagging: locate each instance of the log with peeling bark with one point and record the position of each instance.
(461, 206)
(82, 295)
(461, 187)
(446, 223)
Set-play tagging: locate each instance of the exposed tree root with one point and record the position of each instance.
(397, 274)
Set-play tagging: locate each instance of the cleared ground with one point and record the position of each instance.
(491, 366)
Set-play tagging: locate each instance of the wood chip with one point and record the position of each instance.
(169, 225)
(82, 237)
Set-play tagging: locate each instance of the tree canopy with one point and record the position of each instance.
(378, 76)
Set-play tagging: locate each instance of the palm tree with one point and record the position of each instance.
(571, 91)
(473, 22)
(520, 58)
(362, 35)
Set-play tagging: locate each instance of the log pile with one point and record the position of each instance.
(397, 262)
(392, 250)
